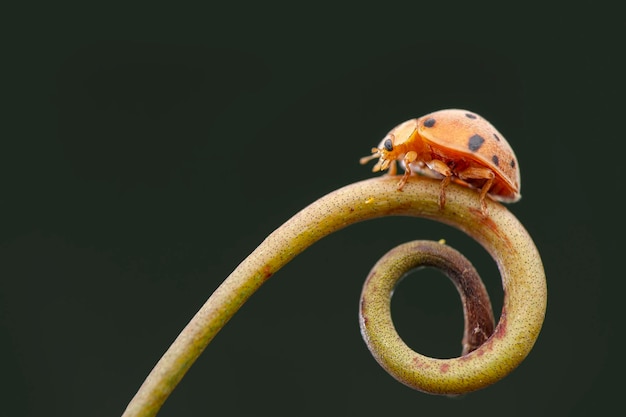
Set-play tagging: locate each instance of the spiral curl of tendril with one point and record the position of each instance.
(483, 362)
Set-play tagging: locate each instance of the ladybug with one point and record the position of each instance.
(454, 145)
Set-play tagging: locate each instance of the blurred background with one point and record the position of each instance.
(147, 150)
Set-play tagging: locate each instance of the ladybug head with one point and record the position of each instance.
(385, 152)
(394, 146)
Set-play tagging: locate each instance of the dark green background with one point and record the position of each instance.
(147, 150)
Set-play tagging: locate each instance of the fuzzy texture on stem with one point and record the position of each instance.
(523, 279)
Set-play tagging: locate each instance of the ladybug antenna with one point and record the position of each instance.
(375, 154)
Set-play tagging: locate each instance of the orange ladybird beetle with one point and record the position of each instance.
(455, 145)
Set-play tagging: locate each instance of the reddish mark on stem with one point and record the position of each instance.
(419, 363)
(490, 224)
(267, 272)
(501, 327)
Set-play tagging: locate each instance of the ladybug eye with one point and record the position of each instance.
(388, 144)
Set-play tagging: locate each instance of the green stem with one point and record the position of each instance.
(499, 232)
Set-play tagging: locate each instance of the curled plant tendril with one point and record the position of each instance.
(415, 370)
(499, 232)
(375, 312)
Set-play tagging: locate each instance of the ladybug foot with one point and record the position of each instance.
(404, 179)
(401, 184)
(483, 196)
(442, 192)
(483, 207)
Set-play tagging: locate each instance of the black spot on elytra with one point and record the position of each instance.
(495, 160)
(497, 137)
(470, 115)
(475, 142)
(512, 163)
(388, 145)
(430, 122)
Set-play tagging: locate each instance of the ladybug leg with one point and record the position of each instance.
(443, 169)
(442, 193)
(409, 158)
(479, 174)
